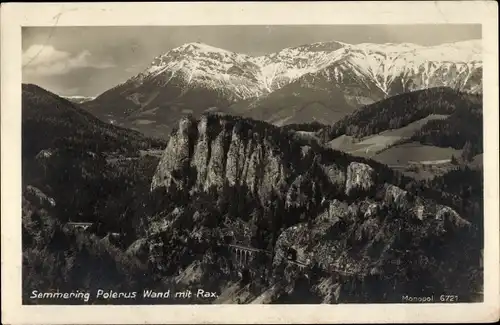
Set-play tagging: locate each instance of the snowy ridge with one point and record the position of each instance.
(205, 65)
(388, 68)
(78, 99)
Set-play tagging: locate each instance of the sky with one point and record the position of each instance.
(87, 61)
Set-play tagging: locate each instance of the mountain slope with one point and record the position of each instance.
(421, 133)
(75, 158)
(309, 98)
(67, 175)
(197, 77)
(256, 183)
(464, 125)
(401, 110)
(62, 124)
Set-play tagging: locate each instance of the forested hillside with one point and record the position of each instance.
(77, 168)
(65, 125)
(400, 110)
(463, 127)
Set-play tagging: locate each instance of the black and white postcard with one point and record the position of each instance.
(250, 162)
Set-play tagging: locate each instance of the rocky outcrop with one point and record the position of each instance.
(36, 195)
(215, 151)
(446, 215)
(274, 171)
(360, 178)
(297, 238)
(45, 154)
(201, 155)
(295, 197)
(216, 168)
(396, 196)
(175, 157)
(335, 175)
(220, 152)
(372, 210)
(375, 228)
(236, 157)
(336, 210)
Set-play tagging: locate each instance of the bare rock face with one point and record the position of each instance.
(336, 210)
(36, 195)
(216, 165)
(138, 248)
(253, 168)
(396, 196)
(305, 151)
(296, 238)
(360, 177)
(236, 158)
(446, 215)
(295, 196)
(371, 211)
(201, 154)
(175, 157)
(45, 154)
(219, 152)
(274, 172)
(336, 175)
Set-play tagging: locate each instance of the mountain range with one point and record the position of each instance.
(316, 82)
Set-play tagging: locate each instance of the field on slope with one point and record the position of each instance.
(417, 160)
(414, 152)
(416, 133)
(372, 145)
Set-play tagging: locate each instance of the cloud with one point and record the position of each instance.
(45, 60)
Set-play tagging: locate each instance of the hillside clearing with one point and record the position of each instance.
(372, 145)
(414, 152)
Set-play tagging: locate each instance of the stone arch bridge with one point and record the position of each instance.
(244, 255)
(79, 225)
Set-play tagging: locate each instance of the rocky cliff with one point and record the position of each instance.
(218, 152)
(213, 152)
(343, 216)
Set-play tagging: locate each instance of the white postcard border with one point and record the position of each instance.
(15, 15)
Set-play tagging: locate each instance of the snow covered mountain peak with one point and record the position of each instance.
(357, 69)
(78, 99)
(322, 79)
(200, 48)
(254, 76)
